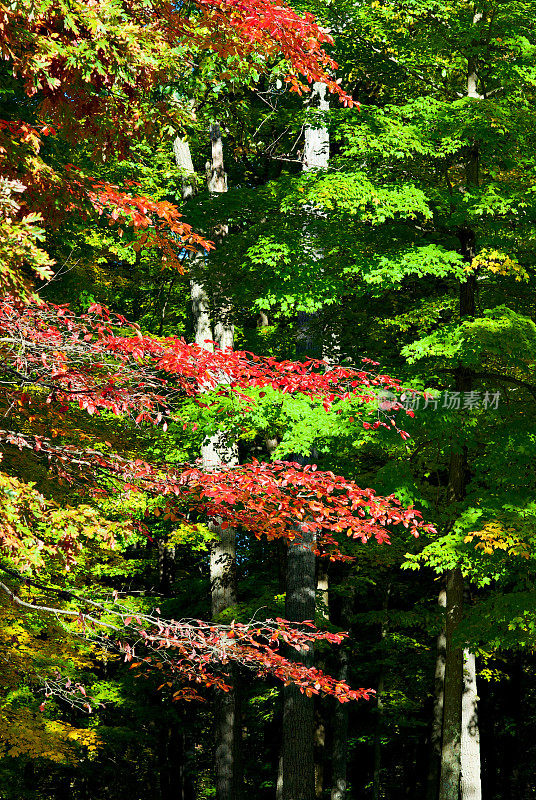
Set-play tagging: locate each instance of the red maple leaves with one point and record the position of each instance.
(192, 648)
(274, 29)
(266, 499)
(91, 73)
(58, 193)
(103, 362)
(98, 361)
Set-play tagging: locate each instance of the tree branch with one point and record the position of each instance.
(63, 611)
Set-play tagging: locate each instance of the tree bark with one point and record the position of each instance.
(340, 736)
(377, 757)
(432, 783)
(217, 178)
(298, 763)
(319, 747)
(339, 745)
(216, 451)
(316, 154)
(183, 159)
(166, 567)
(298, 709)
(449, 785)
(322, 607)
(217, 184)
(471, 787)
(316, 147)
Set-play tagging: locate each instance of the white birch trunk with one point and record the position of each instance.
(316, 157)
(449, 783)
(437, 720)
(316, 149)
(217, 179)
(200, 300)
(470, 778)
(217, 451)
(471, 786)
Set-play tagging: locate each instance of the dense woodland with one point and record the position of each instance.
(267, 395)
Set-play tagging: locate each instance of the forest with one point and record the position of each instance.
(267, 365)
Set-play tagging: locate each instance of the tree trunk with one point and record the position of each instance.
(226, 752)
(377, 757)
(518, 745)
(432, 783)
(471, 787)
(201, 313)
(316, 147)
(322, 607)
(452, 712)
(298, 764)
(340, 736)
(217, 184)
(166, 567)
(298, 710)
(339, 745)
(454, 677)
(449, 783)
(217, 178)
(316, 154)
(319, 747)
(216, 451)
(298, 761)
(183, 159)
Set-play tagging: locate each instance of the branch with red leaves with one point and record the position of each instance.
(59, 193)
(192, 651)
(103, 362)
(267, 499)
(123, 57)
(275, 29)
(91, 72)
(83, 359)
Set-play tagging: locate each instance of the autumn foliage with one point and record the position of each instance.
(59, 360)
(88, 69)
(103, 362)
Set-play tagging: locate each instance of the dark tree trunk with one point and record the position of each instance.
(339, 739)
(319, 747)
(298, 709)
(176, 778)
(377, 792)
(322, 607)
(226, 754)
(166, 567)
(339, 763)
(377, 756)
(515, 751)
